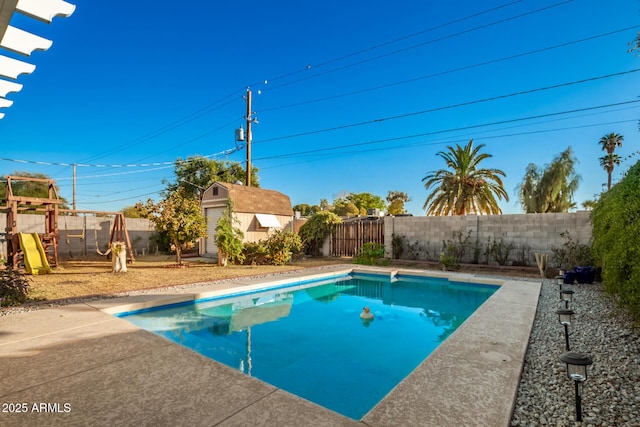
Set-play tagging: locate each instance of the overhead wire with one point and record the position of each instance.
(451, 71)
(439, 39)
(446, 107)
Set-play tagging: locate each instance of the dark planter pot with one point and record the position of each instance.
(598, 274)
(585, 275)
(569, 277)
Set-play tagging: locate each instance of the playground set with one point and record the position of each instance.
(38, 252)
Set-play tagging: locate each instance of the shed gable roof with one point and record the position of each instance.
(257, 200)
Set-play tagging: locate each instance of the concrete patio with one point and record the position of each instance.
(79, 365)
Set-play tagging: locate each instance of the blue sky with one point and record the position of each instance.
(354, 96)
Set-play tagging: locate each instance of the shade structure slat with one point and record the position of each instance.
(12, 68)
(23, 42)
(7, 86)
(45, 10)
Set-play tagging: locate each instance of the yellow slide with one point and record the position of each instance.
(35, 258)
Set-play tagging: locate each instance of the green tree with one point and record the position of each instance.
(589, 204)
(131, 212)
(396, 200)
(608, 162)
(197, 173)
(609, 143)
(343, 207)
(464, 188)
(306, 210)
(316, 229)
(551, 189)
(179, 216)
(31, 188)
(357, 204)
(324, 205)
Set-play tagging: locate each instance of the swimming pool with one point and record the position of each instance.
(308, 338)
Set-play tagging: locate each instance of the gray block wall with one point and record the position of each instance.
(423, 236)
(81, 235)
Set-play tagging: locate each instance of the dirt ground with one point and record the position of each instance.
(90, 277)
(93, 277)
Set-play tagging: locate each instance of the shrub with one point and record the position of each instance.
(616, 239)
(523, 255)
(501, 251)
(229, 238)
(255, 253)
(281, 245)
(397, 246)
(370, 254)
(571, 254)
(453, 251)
(14, 287)
(316, 229)
(278, 249)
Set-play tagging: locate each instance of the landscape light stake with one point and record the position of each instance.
(565, 317)
(559, 282)
(577, 371)
(566, 296)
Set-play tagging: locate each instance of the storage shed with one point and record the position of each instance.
(258, 211)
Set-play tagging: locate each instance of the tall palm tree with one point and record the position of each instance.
(464, 188)
(611, 141)
(608, 162)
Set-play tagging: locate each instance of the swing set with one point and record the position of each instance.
(47, 242)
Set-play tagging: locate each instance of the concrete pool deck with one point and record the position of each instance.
(77, 364)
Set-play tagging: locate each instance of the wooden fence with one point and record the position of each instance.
(349, 236)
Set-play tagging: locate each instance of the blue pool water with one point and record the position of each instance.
(309, 339)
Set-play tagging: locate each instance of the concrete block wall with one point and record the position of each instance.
(96, 232)
(423, 236)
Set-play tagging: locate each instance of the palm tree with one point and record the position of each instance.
(464, 188)
(611, 141)
(608, 162)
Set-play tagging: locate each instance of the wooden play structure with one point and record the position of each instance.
(47, 245)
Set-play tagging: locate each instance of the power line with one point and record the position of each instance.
(446, 107)
(390, 42)
(395, 52)
(519, 119)
(451, 71)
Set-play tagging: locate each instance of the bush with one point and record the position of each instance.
(316, 229)
(453, 251)
(571, 254)
(281, 245)
(14, 287)
(255, 253)
(616, 239)
(370, 254)
(501, 251)
(278, 249)
(397, 246)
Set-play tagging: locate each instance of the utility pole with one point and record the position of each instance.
(249, 121)
(74, 189)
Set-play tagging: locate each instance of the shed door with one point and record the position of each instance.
(212, 215)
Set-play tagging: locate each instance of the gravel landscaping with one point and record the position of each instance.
(611, 394)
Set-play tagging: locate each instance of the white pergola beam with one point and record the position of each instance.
(45, 10)
(12, 68)
(5, 103)
(7, 86)
(23, 42)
